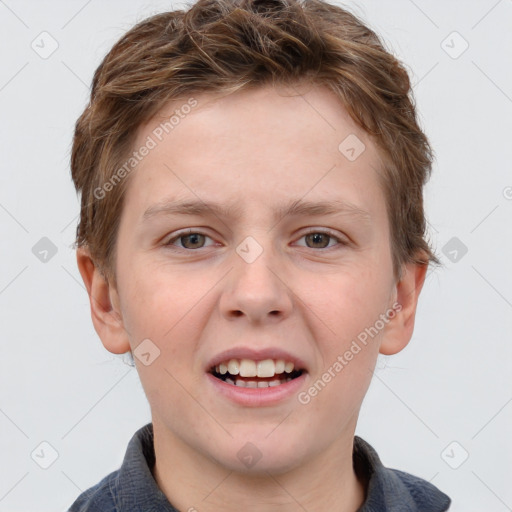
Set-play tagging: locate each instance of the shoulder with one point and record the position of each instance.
(132, 487)
(392, 490)
(425, 496)
(99, 498)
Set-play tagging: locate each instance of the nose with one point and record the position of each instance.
(258, 289)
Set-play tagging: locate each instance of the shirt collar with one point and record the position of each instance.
(393, 490)
(135, 486)
(386, 489)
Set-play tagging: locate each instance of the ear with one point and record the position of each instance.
(105, 310)
(399, 330)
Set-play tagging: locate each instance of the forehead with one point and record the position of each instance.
(255, 146)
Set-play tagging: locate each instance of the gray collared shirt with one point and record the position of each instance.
(132, 487)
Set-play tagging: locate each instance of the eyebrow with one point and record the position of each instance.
(294, 208)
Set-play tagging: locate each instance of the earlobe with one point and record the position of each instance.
(106, 317)
(400, 328)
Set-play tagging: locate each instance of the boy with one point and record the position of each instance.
(252, 231)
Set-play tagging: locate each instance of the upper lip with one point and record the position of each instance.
(255, 355)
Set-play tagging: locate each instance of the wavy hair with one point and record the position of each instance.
(222, 46)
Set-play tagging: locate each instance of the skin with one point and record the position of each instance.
(256, 150)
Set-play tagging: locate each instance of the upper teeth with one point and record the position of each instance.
(249, 368)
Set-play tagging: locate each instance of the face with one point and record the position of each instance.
(284, 257)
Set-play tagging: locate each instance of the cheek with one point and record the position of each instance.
(170, 310)
(350, 308)
(157, 303)
(348, 347)
(347, 304)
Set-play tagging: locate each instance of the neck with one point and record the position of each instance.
(192, 482)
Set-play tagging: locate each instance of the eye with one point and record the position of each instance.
(189, 240)
(320, 239)
(193, 240)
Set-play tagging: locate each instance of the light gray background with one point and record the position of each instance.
(453, 383)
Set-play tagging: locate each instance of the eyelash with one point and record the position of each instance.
(169, 244)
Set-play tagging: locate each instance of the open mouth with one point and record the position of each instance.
(256, 374)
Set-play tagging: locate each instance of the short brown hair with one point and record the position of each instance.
(221, 46)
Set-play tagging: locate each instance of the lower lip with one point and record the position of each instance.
(258, 397)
